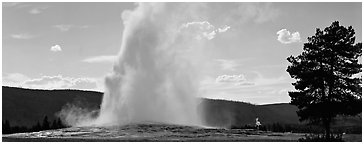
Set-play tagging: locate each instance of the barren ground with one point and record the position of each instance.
(157, 132)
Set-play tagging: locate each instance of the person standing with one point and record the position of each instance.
(257, 123)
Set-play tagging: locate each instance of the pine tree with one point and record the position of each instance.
(37, 127)
(54, 125)
(59, 123)
(45, 125)
(6, 127)
(327, 84)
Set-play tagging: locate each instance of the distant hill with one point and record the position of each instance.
(226, 113)
(25, 107)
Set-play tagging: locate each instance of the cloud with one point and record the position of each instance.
(227, 87)
(203, 29)
(285, 37)
(200, 25)
(52, 82)
(264, 81)
(225, 64)
(37, 10)
(256, 88)
(101, 59)
(234, 79)
(224, 29)
(230, 78)
(22, 36)
(63, 27)
(236, 87)
(14, 79)
(59, 82)
(33, 8)
(283, 91)
(10, 4)
(67, 27)
(56, 48)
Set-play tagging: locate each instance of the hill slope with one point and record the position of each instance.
(226, 113)
(24, 107)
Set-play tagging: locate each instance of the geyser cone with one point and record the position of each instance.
(152, 81)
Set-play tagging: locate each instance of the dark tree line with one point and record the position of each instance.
(299, 128)
(304, 128)
(46, 125)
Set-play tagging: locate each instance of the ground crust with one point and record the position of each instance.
(152, 132)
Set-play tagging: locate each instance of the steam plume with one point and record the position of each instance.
(153, 79)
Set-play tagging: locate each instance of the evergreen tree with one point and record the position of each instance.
(37, 127)
(6, 127)
(325, 71)
(59, 123)
(45, 125)
(54, 125)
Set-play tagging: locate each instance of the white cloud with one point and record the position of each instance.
(283, 91)
(67, 27)
(56, 48)
(37, 10)
(224, 29)
(225, 64)
(100, 59)
(203, 29)
(22, 36)
(258, 90)
(200, 25)
(285, 37)
(230, 78)
(234, 79)
(14, 79)
(52, 82)
(236, 87)
(63, 27)
(210, 35)
(59, 82)
(10, 4)
(264, 81)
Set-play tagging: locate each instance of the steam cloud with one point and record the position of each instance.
(149, 81)
(78, 113)
(154, 77)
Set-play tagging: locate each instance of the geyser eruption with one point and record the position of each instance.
(153, 78)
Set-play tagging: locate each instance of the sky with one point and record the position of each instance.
(74, 45)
